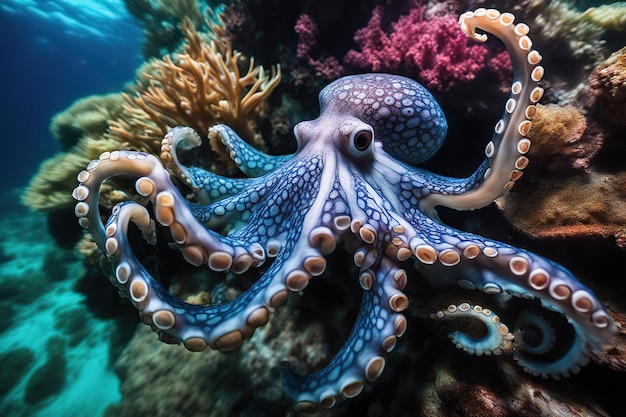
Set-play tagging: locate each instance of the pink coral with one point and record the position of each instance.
(378, 53)
(327, 68)
(435, 51)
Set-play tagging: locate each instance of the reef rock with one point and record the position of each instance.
(609, 82)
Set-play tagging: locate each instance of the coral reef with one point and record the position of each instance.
(327, 68)
(198, 87)
(353, 182)
(572, 192)
(610, 17)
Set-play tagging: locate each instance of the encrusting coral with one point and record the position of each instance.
(569, 192)
(559, 143)
(608, 80)
(199, 87)
(86, 117)
(608, 16)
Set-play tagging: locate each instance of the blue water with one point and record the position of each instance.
(53, 53)
(49, 60)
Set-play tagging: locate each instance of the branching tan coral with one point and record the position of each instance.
(198, 88)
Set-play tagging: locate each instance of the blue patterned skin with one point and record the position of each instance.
(354, 176)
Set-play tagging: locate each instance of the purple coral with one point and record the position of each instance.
(327, 68)
(435, 51)
(378, 52)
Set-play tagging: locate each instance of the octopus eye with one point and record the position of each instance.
(362, 139)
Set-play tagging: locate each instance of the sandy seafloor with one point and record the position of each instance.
(41, 308)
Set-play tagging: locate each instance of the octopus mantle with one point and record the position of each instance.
(354, 175)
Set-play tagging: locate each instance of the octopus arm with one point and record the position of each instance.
(505, 153)
(199, 244)
(250, 161)
(231, 202)
(305, 240)
(496, 338)
(363, 357)
(222, 327)
(454, 257)
(209, 187)
(268, 205)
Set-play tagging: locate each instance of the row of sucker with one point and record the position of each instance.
(222, 327)
(494, 268)
(170, 317)
(506, 152)
(363, 357)
(496, 338)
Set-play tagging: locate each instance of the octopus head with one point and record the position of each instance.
(362, 109)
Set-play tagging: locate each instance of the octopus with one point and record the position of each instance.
(355, 176)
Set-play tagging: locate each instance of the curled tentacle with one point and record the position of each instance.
(250, 161)
(535, 340)
(535, 334)
(492, 267)
(506, 151)
(363, 357)
(497, 336)
(199, 245)
(207, 186)
(174, 320)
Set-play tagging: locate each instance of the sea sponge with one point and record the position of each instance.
(559, 142)
(87, 116)
(608, 80)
